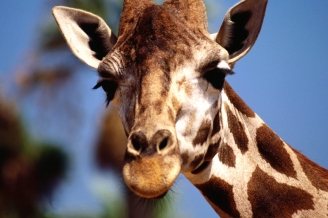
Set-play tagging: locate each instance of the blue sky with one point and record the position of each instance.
(284, 79)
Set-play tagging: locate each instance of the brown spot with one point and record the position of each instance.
(226, 155)
(238, 131)
(216, 124)
(158, 106)
(215, 103)
(142, 108)
(185, 158)
(170, 115)
(272, 199)
(220, 194)
(317, 175)
(188, 90)
(202, 133)
(196, 161)
(271, 149)
(175, 104)
(212, 150)
(182, 81)
(238, 103)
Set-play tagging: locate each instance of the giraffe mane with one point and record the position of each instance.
(317, 175)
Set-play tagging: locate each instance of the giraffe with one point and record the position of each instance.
(166, 75)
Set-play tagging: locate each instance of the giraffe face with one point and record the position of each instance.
(167, 115)
(167, 101)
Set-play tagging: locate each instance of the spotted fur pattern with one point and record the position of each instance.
(268, 179)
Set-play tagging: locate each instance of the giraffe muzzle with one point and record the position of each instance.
(151, 164)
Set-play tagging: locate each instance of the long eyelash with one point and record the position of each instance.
(107, 101)
(216, 76)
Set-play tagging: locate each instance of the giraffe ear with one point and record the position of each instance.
(240, 28)
(87, 35)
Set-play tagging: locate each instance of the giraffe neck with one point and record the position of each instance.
(255, 173)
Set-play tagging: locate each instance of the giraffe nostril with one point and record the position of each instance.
(136, 145)
(140, 145)
(138, 141)
(162, 139)
(163, 143)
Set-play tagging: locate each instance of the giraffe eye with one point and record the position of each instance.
(216, 76)
(109, 87)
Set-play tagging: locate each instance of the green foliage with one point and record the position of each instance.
(29, 171)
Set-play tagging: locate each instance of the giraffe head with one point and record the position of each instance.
(164, 73)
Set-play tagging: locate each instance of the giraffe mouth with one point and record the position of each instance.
(151, 177)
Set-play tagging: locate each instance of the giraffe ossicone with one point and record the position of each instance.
(165, 73)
